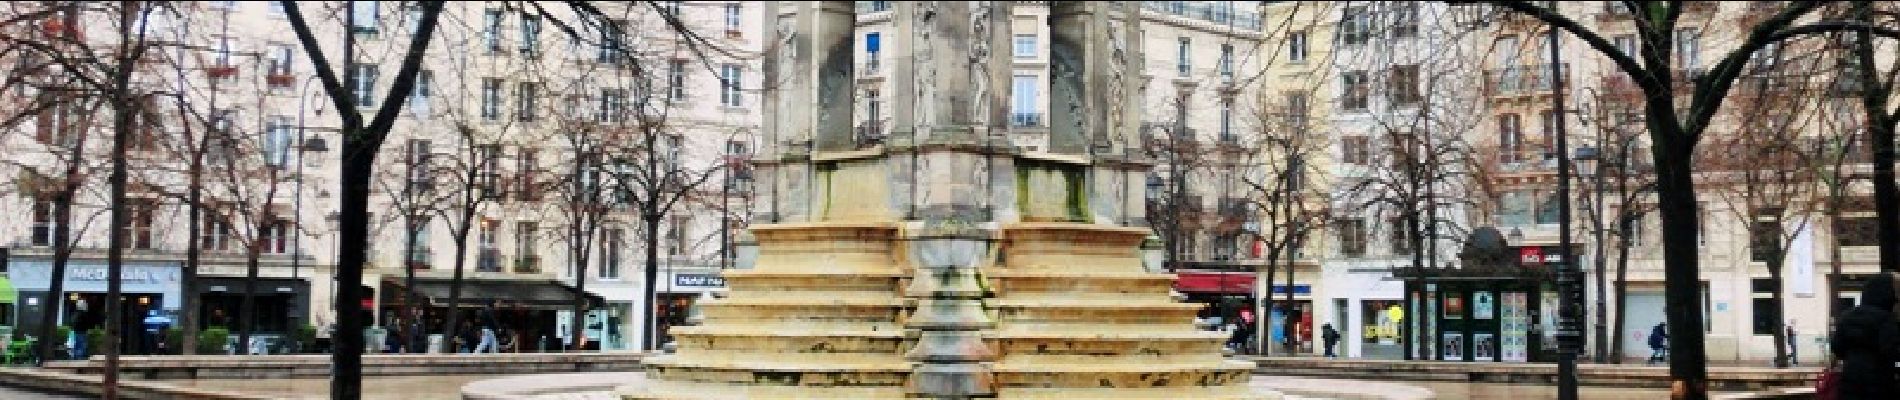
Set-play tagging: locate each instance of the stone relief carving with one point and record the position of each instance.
(923, 70)
(787, 55)
(1065, 81)
(1116, 98)
(978, 62)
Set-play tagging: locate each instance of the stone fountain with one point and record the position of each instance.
(942, 261)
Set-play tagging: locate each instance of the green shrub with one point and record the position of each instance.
(304, 337)
(60, 333)
(212, 340)
(174, 340)
(95, 341)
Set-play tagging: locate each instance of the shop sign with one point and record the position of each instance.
(99, 274)
(1530, 255)
(699, 280)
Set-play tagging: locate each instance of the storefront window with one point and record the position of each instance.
(1379, 322)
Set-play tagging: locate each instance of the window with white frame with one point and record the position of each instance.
(363, 17)
(733, 17)
(223, 55)
(43, 221)
(1024, 101)
(277, 141)
(1296, 46)
(491, 99)
(365, 89)
(419, 97)
(676, 80)
(530, 35)
(613, 103)
(610, 254)
(1226, 62)
(1025, 46)
(491, 31)
(1688, 49)
(1183, 61)
(280, 58)
(730, 79)
(527, 100)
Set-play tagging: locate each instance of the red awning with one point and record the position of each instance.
(1240, 283)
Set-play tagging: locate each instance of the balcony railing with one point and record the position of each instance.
(1025, 120)
(488, 261)
(1217, 13)
(870, 134)
(528, 264)
(865, 7)
(1520, 79)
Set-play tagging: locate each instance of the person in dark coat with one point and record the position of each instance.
(1331, 336)
(1659, 343)
(1867, 341)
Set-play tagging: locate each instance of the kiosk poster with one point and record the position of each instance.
(1454, 346)
(1454, 306)
(1484, 346)
(1482, 305)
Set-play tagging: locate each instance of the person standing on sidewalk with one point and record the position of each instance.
(1866, 340)
(1659, 343)
(486, 319)
(1331, 337)
(1794, 346)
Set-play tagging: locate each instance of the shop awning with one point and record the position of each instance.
(537, 294)
(1214, 282)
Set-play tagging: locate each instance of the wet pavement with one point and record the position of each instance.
(447, 387)
(18, 393)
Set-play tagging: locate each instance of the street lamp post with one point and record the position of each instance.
(1569, 337)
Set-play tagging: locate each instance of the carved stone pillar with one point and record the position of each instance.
(1095, 72)
(808, 76)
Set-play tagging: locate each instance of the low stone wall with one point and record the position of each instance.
(92, 385)
(318, 365)
(1720, 378)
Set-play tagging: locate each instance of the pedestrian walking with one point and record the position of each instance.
(1331, 337)
(1794, 348)
(1866, 340)
(485, 319)
(1659, 343)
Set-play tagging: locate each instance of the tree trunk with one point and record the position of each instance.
(1289, 323)
(1780, 334)
(577, 327)
(412, 327)
(455, 282)
(1833, 255)
(1675, 191)
(1260, 335)
(648, 332)
(55, 298)
(247, 308)
(188, 276)
(1622, 285)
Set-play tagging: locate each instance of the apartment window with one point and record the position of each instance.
(1702, 223)
(525, 248)
(1404, 19)
(419, 160)
(1549, 137)
(1401, 236)
(1296, 111)
(413, 18)
(1355, 26)
(279, 59)
(732, 17)
(491, 31)
(214, 233)
(1549, 209)
(527, 96)
(223, 56)
(1025, 46)
(363, 19)
(488, 171)
(1226, 62)
(277, 141)
(530, 35)
(491, 99)
(670, 7)
(1355, 150)
(365, 89)
(873, 110)
(1767, 318)
(730, 77)
(1227, 120)
(43, 221)
(676, 80)
(1404, 82)
(609, 44)
(1625, 44)
(1024, 101)
(1510, 138)
(1857, 231)
(872, 45)
(613, 104)
(529, 190)
(1352, 238)
(676, 235)
(1688, 49)
(1764, 237)
(1514, 208)
(1356, 90)
(1183, 63)
(140, 213)
(610, 254)
(419, 97)
(419, 236)
(489, 256)
(1296, 46)
(276, 238)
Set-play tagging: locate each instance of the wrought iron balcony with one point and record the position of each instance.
(528, 264)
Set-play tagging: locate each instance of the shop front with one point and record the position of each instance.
(525, 312)
(1498, 306)
(146, 287)
(675, 305)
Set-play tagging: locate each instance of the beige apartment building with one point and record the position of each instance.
(506, 103)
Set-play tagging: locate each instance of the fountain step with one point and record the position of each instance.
(1227, 392)
(1061, 330)
(782, 362)
(829, 297)
(795, 329)
(1031, 373)
(1090, 302)
(1097, 347)
(850, 342)
(684, 390)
